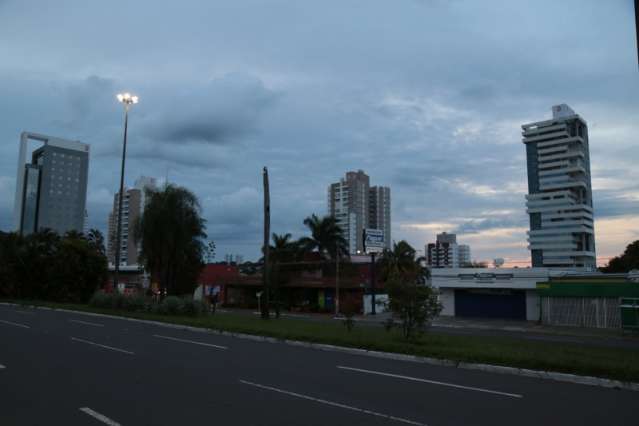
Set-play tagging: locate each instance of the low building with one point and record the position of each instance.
(586, 299)
(500, 293)
(305, 286)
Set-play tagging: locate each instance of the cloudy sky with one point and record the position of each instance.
(426, 96)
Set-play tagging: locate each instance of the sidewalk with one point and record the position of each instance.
(485, 327)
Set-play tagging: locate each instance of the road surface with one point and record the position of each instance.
(73, 369)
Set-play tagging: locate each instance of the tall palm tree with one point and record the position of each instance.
(326, 237)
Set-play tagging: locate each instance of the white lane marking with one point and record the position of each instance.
(15, 323)
(95, 324)
(334, 404)
(434, 382)
(104, 419)
(24, 312)
(2, 366)
(190, 341)
(102, 346)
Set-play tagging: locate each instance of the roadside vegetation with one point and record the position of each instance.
(46, 266)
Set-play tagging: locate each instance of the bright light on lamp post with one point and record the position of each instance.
(127, 99)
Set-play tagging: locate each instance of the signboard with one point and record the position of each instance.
(373, 240)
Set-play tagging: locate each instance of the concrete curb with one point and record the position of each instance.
(537, 374)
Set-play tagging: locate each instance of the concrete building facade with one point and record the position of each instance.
(379, 211)
(356, 206)
(446, 253)
(500, 293)
(132, 208)
(559, 200)
(51, 190)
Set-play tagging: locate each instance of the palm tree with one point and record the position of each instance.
(171, 231)
(284, 249)
(326, 237)
(401, 261)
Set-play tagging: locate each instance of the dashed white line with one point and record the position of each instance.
(104, 419)
(14, 323)
(95, 324)
(190, 341)
(334, 404)
(102, 346)
(433, 382)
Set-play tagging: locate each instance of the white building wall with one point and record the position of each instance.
(447, 280)
(447, 299)
(532, 305)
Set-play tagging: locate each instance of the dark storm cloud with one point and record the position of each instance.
(225, 109)
(493, 221)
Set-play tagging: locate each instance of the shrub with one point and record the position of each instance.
(100, 300)
(133, 303)
(349, 309)
(117, 300)
(193, 307)
(172, 305)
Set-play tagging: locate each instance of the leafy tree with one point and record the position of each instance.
(10, 244)
(409, 297)
(326, 237)
(44, 266)
(171, 231)
(625, 262)
(78, 272)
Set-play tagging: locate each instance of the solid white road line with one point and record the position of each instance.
(190, 341)
(95, 324)
(334, 404)
(104, 419)
(102, 346)
(15, 323)
(434, 382)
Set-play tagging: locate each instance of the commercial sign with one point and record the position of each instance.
(373, 240)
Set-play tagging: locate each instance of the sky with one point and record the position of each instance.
(427, 97)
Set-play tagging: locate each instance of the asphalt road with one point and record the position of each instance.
(62, 368)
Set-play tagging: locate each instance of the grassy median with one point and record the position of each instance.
(615, 363)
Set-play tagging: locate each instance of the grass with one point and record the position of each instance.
(608, 362)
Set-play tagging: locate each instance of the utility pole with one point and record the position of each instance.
(267, 234)
(373, 283)
(337, 279)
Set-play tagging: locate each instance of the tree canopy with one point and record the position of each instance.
(45, 266)
(410, 299)
(625, 262)
(171, 233)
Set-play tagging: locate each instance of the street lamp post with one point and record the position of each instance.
(127, 100)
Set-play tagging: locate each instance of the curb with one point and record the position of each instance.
(524, 372)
